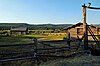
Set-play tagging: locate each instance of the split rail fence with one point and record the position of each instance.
(39, 49)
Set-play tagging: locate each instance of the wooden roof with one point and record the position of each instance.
(19, 29)
(78, 24)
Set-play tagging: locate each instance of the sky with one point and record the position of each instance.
(47, 11)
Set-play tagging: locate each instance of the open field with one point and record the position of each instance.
(48, 36)
(14, 40)
(28, 38)
(20, 52)
(24, 39)
(74, 61)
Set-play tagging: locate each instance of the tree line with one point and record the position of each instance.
(8, 26)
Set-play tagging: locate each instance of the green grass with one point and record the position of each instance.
(46, 37)
(54, 37)
(74, 61)
(34, 35)
(14, 40)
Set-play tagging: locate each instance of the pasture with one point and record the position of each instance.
(14, 40)
(47, 36)
(20, 51)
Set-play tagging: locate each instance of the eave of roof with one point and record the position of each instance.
(78, 24)
(72, 26)
(19, 29)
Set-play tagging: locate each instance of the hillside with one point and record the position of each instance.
(33, 26)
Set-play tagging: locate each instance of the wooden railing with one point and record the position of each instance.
(93, 36)
(35, 52)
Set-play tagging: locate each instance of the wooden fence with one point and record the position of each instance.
(39, 49)
(54, 48)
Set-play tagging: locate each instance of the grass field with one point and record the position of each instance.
(46, 37)
(28, 38)
(14, 40)
(74, 61)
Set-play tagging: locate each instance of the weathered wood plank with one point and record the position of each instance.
(9, 45)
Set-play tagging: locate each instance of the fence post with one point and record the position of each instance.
(68, 38)
(79, 42)
(85, 30)
(35, 51)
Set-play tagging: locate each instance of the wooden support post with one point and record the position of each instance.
(68, 38)
(35, 51)
(79, 42)
(85, 40)
(97, 31)
(43, 47)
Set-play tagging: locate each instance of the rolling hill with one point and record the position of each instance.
(33, 26)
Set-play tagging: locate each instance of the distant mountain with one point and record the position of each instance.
(33, 26)
(97, 25)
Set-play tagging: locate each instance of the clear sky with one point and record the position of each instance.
(47, 11)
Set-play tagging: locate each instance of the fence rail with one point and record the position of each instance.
(9, 45)
(37, 52)
(15, 59)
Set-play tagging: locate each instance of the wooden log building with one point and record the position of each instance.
(77, 29)
(18, 31)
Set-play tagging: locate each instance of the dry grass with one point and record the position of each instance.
(48, 36)
(75, 61)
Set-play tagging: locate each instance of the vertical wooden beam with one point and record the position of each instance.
(98, 33)
(97, 30)
(85, 40)
(68, 38)
(35, 51)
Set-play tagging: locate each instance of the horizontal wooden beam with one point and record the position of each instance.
(9, 45)
(7, 53)
(96, 8)
(54, 41)
(47, 44)
(94, 35)
(14, 59)
(72, 47)
(93, 41)
(60, 56)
